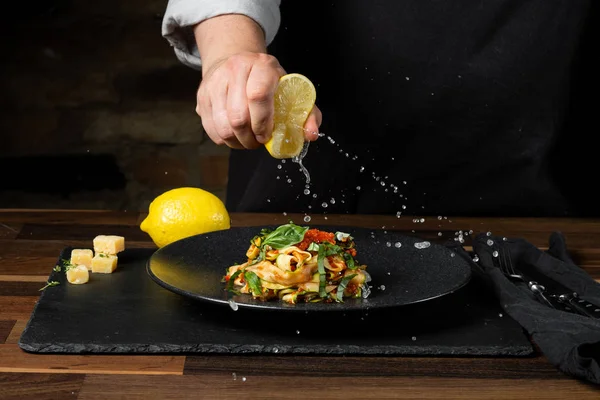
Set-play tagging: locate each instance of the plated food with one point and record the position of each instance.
(298, 264)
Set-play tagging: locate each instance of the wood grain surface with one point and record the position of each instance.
(31, 240)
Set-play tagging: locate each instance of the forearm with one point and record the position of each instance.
(220, 37)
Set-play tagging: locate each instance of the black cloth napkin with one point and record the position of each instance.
(570, 341)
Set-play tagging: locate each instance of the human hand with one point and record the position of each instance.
(235, 101)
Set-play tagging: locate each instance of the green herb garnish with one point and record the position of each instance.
(49, 284)
(321, 267)
(342, 287)
(284, 236)
(349, 260)
(64, 264)
(253, 282)
(313, 247)
(325, 250)
(265, 231)
(232, 279)
(331, 249)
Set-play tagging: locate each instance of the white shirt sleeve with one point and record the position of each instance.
(181, 16)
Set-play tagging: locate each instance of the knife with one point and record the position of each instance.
(564, 295)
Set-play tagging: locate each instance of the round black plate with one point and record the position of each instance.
(194, 267)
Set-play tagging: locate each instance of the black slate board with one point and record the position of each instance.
(127, 313)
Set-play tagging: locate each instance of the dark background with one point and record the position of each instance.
(96, 111)
(575, 160)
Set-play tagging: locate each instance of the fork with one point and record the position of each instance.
(506, 266)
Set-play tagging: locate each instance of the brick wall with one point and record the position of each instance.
(82, 78)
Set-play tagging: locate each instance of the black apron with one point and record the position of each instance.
(430, 107)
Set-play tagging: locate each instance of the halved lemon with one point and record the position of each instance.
(295, 98)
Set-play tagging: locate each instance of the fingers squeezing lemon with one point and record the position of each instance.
(295, 98)
(188, 211)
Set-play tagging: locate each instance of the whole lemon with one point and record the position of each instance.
(184, 212)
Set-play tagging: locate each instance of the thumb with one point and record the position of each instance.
(312, 124)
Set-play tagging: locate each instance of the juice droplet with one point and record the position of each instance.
(298, 159)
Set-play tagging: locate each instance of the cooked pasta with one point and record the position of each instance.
(298, 264)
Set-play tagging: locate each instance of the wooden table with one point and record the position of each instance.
(30, 241)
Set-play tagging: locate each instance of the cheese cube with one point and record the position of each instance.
(109, 244)
(104, 263)
(82, 257)
(78, 275)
